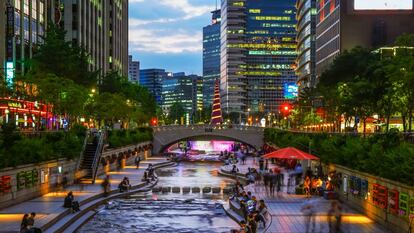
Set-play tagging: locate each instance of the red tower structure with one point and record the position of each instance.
(216, 116)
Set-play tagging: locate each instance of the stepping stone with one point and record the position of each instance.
(227, 190)
(206, 190)
(216, 190)
(166, 189)
(176, 190)
(196, 190)
(156, 189)
(186, 189)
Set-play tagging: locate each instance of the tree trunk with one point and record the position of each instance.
(410, 119)
(404, 118)
(387, 128)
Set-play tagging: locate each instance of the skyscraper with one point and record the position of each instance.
(101, 27)
(343, 25)
(306, 27)
(22, 28)
(211, 57)
(152, 79)
(133, 70)
(258, 52)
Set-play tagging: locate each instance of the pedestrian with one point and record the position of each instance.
(106, 185)
(261, 164)
(234, 170)
(308, 209)
(273, 183)
(262, 213)
(137, 161)
(251, 219)
(24, 225)
(266, 181)
(335, 217)
(307, 186)
(119, 165)
(244, 228)
(243, 159)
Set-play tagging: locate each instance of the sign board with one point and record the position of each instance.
(290, 90)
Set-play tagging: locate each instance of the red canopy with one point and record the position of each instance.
(290, 153)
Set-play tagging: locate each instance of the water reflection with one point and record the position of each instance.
(172, 212)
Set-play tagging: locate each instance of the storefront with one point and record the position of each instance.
(26, 114)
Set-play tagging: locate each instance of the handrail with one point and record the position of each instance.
(85, 142)
(97, 157)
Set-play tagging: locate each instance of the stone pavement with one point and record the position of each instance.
(50, 205)
(286, 215)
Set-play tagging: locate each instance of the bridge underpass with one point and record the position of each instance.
(165, 136)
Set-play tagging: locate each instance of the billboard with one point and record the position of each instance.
(383, 4)
(290, 90)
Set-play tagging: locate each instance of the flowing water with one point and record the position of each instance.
(172, 212)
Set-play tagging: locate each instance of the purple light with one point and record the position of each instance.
(213, 145)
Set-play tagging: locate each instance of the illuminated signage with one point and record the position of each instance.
(290, 90)
(9, 73)
(383, 4)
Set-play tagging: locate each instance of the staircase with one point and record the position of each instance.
(91, 157)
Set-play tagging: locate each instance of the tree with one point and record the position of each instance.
(62, 58)
(176, 112)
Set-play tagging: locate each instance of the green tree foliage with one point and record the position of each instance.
(176, 112)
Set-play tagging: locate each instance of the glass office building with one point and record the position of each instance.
(306, 27)
(258, 53)
(152, 79)
(211, 57)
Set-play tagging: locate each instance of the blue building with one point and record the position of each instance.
(258, 53)
(152, 79)
(211, 57)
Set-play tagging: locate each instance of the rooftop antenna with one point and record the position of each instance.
(216, 4)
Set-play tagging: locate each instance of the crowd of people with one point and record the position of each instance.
(254, 212)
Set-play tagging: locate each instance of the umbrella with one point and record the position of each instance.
(290, 153)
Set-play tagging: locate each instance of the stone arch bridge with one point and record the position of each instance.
(165, 136)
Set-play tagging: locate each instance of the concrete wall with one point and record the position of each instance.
(127, 153)
(38, 179)
(395, 222)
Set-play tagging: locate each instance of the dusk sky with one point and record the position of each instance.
(168, 33)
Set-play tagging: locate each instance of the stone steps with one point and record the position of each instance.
(184, 190)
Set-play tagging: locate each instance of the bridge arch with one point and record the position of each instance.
(165, 136)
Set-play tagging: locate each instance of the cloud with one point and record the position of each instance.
(158, 41)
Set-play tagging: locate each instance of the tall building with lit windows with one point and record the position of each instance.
(99, 26)
(22, 27)
(258, 53)
(211, 57)
(306, 27)
(345, 24)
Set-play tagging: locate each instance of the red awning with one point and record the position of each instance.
(290, 153)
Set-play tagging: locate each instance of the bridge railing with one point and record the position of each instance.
(206, 127)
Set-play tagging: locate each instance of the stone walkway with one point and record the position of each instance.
(287, 217)
(50, 205)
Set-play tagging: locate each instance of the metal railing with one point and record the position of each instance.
(85, 142)
(207, 127)
(97, 157)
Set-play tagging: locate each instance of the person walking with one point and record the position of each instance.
(308, 209)
(335, 217)
(273, 183)
(137, 161)
(266, 182)
(106, 185)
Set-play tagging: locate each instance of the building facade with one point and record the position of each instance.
(101, 27)
(183, 89)
(258, 52)
(152, 79)
(306, 48)
(22, 28)
(343, 25)
(211, 57)
(133, 70)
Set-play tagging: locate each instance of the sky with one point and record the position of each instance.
(383, 4)
(168, 34)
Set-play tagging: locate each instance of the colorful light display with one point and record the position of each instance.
(211, 146)
(290, 90)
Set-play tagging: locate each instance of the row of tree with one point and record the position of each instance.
(58, 75)
(361, 83)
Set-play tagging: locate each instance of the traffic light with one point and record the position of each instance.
(154, 121)
(286, 108)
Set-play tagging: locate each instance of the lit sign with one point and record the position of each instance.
(383, 4)
(290, 90)
(9, 73)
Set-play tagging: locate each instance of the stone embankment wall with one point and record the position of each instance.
(385, 201)
(29, 181)
(25, 182)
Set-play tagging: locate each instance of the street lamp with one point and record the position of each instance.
(248, 116)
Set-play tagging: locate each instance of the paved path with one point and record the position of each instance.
(50, 205)
(287, 217)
